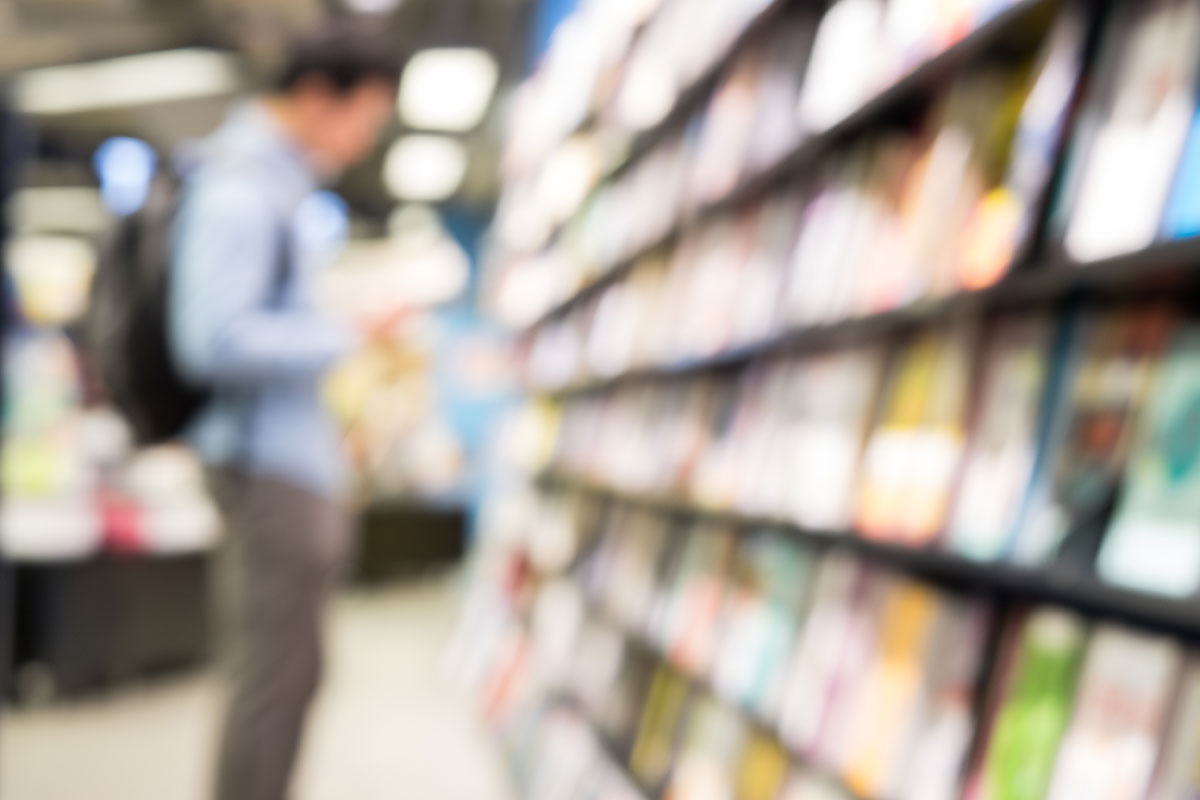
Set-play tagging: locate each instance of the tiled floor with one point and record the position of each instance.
(388, 726)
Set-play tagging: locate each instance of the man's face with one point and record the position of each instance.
(346, 126)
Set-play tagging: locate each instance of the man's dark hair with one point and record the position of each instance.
(344, 55)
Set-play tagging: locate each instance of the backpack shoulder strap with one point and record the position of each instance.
(281, 275)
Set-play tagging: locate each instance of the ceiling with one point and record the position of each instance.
(46, 32)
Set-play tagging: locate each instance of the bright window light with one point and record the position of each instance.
(425, 168)
(127, 81)
(447, 89)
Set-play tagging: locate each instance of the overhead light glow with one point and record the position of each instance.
(127, 81)
(447, 89)
(425, 168)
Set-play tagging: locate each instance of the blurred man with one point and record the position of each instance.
(242, 320)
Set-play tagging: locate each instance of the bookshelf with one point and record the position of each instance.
(963, 494)
(915, 87)
(1010, 583)
(1167, 269)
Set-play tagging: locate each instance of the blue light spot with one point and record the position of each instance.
(125, 167)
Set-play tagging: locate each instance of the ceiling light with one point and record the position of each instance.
(373, 6)
(447, 89)
(127, 81)
(425, 168)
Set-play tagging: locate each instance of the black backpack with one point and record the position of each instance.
(126, 325)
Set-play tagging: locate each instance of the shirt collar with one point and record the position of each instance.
(251, 130)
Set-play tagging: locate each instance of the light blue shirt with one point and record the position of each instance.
(261, 346)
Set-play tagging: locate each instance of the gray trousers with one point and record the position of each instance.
(285, 549)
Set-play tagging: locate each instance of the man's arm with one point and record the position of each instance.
(225, 264)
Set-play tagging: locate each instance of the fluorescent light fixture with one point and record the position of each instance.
(447, 89)
(128, 81)
(58, 209)
(373, 6)
(425, 168)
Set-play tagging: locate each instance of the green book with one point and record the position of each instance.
(1035, 710)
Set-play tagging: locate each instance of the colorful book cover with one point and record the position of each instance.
(737, 431)
(931, 764)
(1112, 746)
(697, 593)
(772, 577)
(1024, 742)
(1153, 544)
(1004, 224)
(1106, 380)
(763, 770)
(846, 684)
(641, 538)
(913, 454)
(1178, 774)
(883, 280)
(803, 786)
(1002, 449)
(657, 738)
(1144, 122)
(713, 743)
(830, 407)
(763, 486)
(729, 123)
(825, 637)
(618, 716)
(834, 238)
(776, 127)
(883, 712)
(600, 653)
(1182, 217)
(842, 70)
(976, 124)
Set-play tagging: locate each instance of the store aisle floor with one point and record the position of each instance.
(388, 727)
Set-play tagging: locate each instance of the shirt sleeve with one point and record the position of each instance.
(223, 331)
